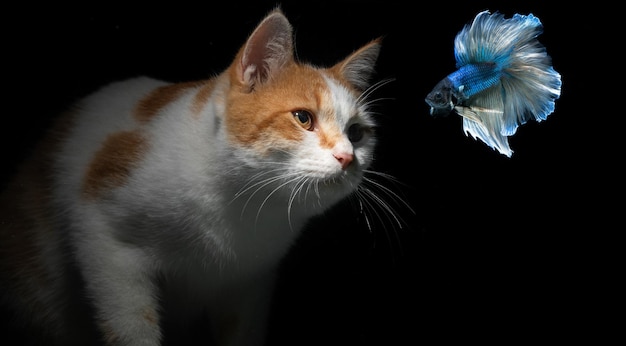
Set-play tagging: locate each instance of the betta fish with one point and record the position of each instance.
(504, 78)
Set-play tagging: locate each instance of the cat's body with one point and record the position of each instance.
(147, 191)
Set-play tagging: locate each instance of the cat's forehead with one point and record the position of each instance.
(342, 100)
(320, 90)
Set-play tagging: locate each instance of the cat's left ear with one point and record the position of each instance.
(269, 47)
(358, 67)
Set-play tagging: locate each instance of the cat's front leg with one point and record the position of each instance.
(120, 281)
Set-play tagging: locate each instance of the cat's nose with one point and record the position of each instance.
(344, 159)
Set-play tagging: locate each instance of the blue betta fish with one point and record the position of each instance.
(504, 77)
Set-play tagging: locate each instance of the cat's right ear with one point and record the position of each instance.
(358, 67)
(269, 47)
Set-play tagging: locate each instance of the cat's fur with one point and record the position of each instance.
(187, 195)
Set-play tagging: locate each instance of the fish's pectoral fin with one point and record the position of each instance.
(468, 113)
(472, 112)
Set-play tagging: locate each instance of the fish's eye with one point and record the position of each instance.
(304, 118)
(356, 132)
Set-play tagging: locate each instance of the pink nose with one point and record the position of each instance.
(344, 159)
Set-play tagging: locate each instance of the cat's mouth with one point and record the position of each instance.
(344, 179)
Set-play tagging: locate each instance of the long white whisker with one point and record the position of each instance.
(367, 206)
(252, 183)
(387, 190)
(373, 88)
(366, 196)
(264, 183)
(259, 186)
(390, 212)
(372, 101)
(270, 195)
(294, 193)
(254, 180)
(373, 204)
(364, 213)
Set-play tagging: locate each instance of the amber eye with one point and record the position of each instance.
(304, 118)
(356, 132)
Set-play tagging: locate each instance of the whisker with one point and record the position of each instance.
(263, 183)
(260, 185)
(363, 210)
(365, 201)
(272, 193)
(368, 197)
(372, 101)
(387, 190)
(384, 214)
(380, 204)
(391, 213)
(372, 88)
(251, 182)
(295, 192)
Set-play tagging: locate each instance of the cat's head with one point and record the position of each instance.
(308, 128)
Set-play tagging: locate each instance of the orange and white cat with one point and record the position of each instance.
(149, 194)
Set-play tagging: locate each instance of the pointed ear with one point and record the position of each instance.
(268, 48)
(358, 67)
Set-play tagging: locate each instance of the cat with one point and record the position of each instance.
(154, 196)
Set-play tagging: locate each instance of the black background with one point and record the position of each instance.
(497, 249)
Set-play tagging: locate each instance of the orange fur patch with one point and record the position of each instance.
(202, 96)
(150, 316)
(160, 97)
(108, 333)
(113, 163)
(263, 117)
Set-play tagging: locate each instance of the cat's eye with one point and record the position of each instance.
(304, 118)
(356, 132)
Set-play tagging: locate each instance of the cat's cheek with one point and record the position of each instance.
(364, 155)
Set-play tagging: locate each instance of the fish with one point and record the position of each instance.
(504, 78)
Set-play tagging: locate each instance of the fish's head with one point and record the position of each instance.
(441, 99)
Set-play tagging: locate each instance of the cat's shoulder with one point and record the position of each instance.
(133, 85)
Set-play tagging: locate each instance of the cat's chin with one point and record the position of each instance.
(339, 186)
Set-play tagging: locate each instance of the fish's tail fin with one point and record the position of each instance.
(528, 86)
